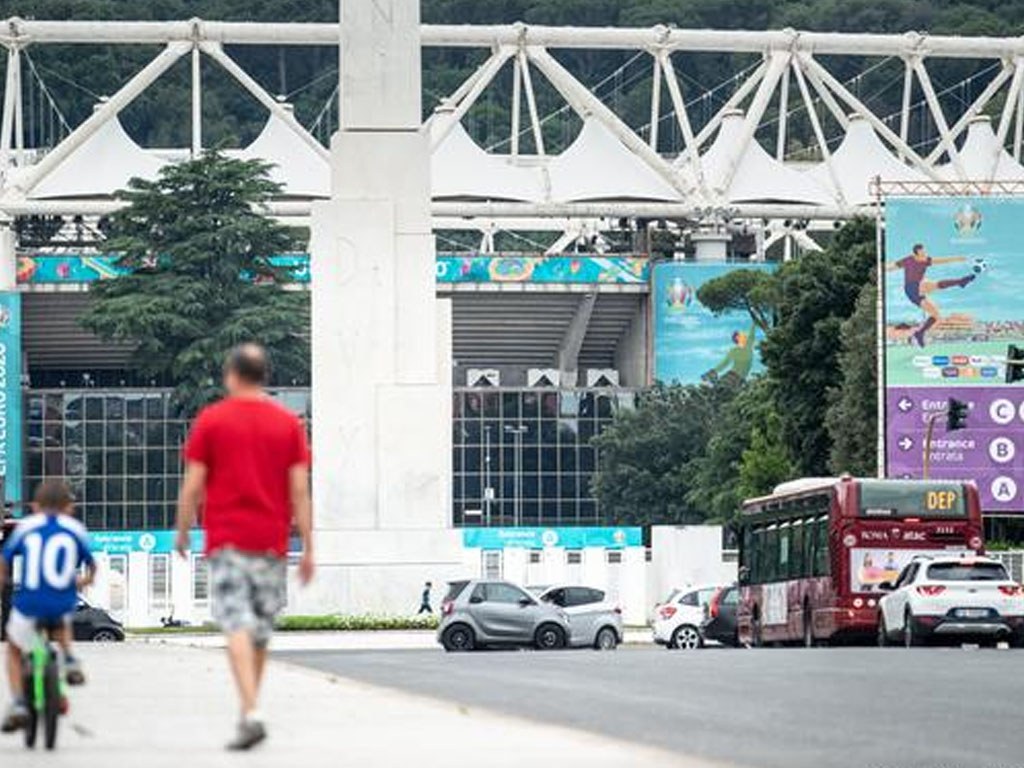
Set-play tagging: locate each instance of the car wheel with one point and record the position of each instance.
(549, 637)
(606, 640)
(910, 638)
(686, 638)
(105, 636)
(883, 632)
(458, 637)
(808, 627)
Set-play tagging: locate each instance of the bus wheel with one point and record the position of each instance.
(756, 630)
(808, 627)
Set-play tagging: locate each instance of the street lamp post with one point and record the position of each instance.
(517, 441)
(488, 490)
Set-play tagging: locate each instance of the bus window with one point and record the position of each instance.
(809, 534)
(821, 564)
(755, 558)
(771, 553)
(796, 558)
(782, 572)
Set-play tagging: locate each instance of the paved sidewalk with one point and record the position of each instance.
(149, 706)
(340, 641)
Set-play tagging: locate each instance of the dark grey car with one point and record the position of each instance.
(479, 613)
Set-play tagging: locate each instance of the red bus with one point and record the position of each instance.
(814, 552)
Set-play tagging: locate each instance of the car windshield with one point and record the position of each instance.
(967, 572)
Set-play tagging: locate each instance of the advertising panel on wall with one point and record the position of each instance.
(692, 344)
(954, 301)
(47, 268)
(10, 394)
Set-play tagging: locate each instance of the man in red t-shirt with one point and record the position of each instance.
(247, 463)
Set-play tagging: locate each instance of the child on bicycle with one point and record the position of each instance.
(52, 545)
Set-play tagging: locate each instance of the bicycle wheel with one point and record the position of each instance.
(51, 707)
(32, 724)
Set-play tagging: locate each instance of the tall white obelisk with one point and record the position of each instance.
(381, 340)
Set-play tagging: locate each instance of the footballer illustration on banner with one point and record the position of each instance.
(693, 344)
(954, 278)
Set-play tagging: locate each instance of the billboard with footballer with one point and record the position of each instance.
(954, 301)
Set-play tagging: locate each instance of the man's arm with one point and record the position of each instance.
(948, 259)
(302, 509)
(189, 498)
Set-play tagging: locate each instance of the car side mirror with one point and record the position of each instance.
(476, 599)
(524, 602)
(886, 586)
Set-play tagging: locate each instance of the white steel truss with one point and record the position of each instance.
(803, 60)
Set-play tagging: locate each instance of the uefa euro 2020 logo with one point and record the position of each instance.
(967, 220)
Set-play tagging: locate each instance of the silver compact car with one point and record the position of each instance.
(480, 613)
(594, 621)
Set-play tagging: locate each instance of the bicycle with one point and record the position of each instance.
(45, 698)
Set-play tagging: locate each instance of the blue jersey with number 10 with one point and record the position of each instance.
(51, 548)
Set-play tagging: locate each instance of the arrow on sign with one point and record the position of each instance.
(905, 404)
(905, 443)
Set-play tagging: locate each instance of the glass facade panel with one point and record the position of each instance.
(541, 461)
(119, 450)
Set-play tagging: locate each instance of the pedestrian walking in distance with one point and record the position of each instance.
(425, 600)
(247, 463)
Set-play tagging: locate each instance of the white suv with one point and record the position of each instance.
(952, 597)
(677, 621)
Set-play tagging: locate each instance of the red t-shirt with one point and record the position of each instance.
(248, 446)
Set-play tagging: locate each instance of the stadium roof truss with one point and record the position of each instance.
(611, 171)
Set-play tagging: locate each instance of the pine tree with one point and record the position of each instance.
(199, 247)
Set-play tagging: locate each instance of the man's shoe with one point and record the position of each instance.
(15, 719)
(73, 672)
(249, 734)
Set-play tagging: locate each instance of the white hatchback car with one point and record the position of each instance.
(952, 597)
(677, 621)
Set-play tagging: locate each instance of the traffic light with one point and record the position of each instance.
(1014, 364)
(956, 415)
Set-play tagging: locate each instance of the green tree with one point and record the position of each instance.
(201, 280)
(852, 418)
(745, 290)
(743, 456)
(814, 296)
(645, 476)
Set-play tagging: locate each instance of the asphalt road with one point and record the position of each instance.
(857, 707)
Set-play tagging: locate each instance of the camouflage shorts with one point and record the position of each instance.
(248, 592)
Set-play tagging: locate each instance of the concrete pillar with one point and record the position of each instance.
(8, 256)
(381, 383)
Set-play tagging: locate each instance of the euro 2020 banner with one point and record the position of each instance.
(691, 343)
(954, 301)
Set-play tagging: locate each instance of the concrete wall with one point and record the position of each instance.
(631, 354)
(687, 555)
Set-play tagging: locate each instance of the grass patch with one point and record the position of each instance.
(363, 623)
(334, 623)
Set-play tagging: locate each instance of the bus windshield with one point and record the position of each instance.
(895, 499)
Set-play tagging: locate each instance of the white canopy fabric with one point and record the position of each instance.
(296, 165)
(462, 169)
(860, 158)
(102, 165)
(759, 177)
(597, 166)
(979, 156)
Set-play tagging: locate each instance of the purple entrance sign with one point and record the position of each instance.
(990, 451)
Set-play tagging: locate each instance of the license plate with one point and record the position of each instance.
(972, 613)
